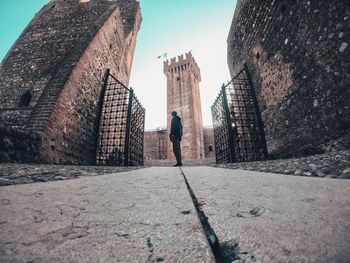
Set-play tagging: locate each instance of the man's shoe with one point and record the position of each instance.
(178, 164)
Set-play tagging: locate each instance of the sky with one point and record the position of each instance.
(168, 26)
(14, 17)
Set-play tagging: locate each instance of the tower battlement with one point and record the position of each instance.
(182, 63)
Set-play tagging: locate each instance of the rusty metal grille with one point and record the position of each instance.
(121, 129)
(223, 132)
(238, 129)
(137, 128)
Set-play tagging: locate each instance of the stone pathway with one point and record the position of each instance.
(158, 214)
(162, 163)
(333, 164)
(145, 215)
(264, 217)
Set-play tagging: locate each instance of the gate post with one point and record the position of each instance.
(99, 110)
(216, 143)
(128, 127)
(143, 139)
(231, 139)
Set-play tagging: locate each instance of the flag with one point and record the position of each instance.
(164, 56)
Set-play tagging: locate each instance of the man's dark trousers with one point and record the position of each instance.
(176, 148)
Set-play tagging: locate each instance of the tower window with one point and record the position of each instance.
(25, 99)
(178, 78)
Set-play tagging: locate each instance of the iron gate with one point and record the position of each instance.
(121, 129)
(238, 129)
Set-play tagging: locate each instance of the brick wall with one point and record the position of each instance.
(60, 58)
(298, 55)
(157, 145)
(19, 146)
(209, 141)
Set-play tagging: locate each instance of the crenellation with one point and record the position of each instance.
(181, 63)
(180, 58)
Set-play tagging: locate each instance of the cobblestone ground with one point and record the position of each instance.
(11, 173)
(334, 164)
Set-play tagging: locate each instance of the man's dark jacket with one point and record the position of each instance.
(176, 127)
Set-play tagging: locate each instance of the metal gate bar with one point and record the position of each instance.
(224, 134)
(121, 128)
(238, 129)
(137, 127)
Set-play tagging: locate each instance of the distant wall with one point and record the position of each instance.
(209, 141)
(298, 54)
(156, 144)
(155, 147)
(58, 63)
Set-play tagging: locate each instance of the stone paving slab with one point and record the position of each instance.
(261, 217)
(145, 215)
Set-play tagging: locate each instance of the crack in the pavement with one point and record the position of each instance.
(229, 250)
(208, 230)
(60, 236)
(150, 249)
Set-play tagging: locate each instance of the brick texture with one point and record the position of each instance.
(209, 146)
(298, 55)
(157, 143)
(60, 58)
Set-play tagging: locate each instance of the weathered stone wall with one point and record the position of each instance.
(208, 134)
(298, 55)
(19, 146)
(183, 96)
(155, 146)
(60, 59)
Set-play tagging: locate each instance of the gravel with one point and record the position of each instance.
(12, 173)
(334, 164)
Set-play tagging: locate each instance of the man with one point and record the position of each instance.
(175, 136)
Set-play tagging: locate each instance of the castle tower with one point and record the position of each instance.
(302, 91)
(183, 77)
(50, 80)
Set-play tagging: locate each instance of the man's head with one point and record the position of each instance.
(174, 113)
